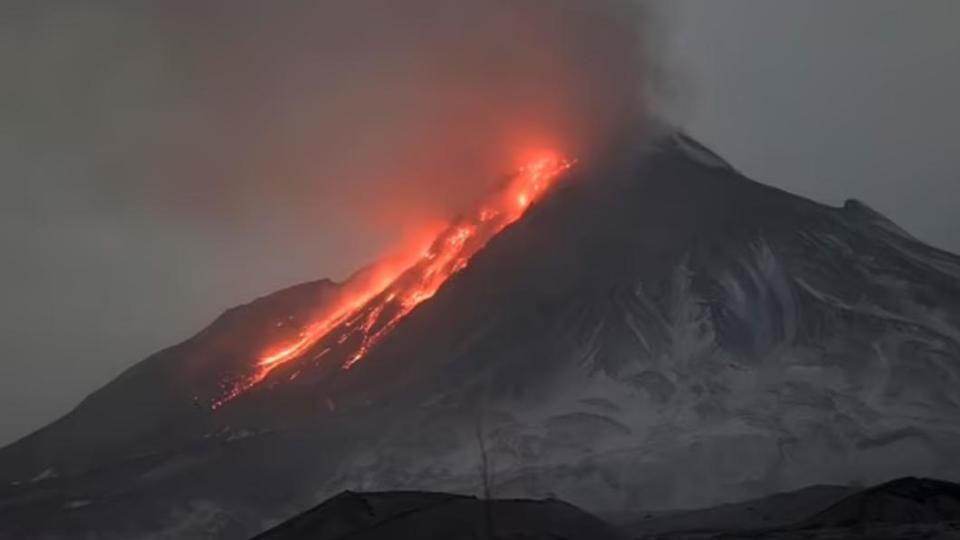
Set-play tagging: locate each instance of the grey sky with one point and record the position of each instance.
(831, 99)
(113, 249)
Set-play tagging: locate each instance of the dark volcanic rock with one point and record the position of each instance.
(900, 502)
(904, 509)
(416, 516)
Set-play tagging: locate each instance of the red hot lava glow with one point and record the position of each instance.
(371, 308)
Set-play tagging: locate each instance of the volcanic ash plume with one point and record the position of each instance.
(360, 118)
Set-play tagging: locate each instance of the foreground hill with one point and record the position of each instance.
(418, 515)
(904, 509)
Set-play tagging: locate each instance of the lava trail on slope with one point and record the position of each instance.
(370, 309)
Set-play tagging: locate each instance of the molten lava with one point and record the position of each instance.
(372, 307)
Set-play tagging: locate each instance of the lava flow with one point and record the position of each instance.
(371, 308)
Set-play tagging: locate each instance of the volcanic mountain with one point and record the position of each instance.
(646, 330)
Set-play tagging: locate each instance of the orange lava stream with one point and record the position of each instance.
(374, 307)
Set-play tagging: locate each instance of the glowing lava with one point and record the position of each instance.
(372, 306)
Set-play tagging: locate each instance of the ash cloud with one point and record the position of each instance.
(320, 114)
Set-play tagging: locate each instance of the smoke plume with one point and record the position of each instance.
(359, 116)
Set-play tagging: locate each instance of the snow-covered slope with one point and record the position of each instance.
(659, 332)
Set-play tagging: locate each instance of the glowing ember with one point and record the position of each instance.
(371, 308)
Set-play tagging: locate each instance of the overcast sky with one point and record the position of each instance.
(110, 253)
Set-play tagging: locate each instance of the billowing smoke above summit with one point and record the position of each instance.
(318, 112)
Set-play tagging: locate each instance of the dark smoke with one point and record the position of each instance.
(349, 114)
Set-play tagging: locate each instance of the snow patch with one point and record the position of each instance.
(46, 474)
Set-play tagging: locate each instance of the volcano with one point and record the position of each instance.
(645, 330)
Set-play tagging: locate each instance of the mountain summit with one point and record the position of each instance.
(656, 331)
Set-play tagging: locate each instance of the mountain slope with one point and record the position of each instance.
(903, 501)
(155, 403)
(778, 511)
(658, 332)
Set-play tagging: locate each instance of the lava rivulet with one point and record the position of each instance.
(373, 306)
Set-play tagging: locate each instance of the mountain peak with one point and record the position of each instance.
(860, 210)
